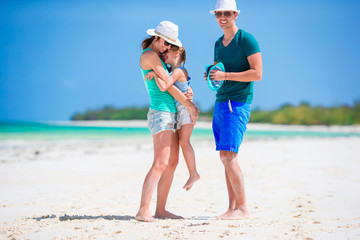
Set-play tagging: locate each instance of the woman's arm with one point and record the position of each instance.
(178, 95)
(150, 60)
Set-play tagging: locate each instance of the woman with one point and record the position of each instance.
(176, 57)
(161, 121)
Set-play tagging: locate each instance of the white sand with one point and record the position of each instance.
(82, 189)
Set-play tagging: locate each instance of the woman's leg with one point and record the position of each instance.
(162, 142)
(166, 181)
(189, 154)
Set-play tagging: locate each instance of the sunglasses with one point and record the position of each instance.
(226, 14)
(167, 43)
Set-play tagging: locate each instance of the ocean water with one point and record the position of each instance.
(43, 131)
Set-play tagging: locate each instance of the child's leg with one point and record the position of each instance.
(189, 155)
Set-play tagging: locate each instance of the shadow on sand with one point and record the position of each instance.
(85, 217)
(106, 217)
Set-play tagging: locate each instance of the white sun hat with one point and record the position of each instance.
(225, 5)
(168, 31)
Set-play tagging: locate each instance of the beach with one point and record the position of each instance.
(78, 188)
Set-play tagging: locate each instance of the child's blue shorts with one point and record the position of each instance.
(229, 124)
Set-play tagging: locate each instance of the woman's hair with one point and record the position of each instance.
(146, 43)
(182, 53)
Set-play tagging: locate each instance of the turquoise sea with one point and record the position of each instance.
(46, 131)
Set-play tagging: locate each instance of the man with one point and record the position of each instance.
(240, 54)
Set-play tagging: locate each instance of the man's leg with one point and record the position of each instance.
(166, 181)
(232, 200)
(236, 187)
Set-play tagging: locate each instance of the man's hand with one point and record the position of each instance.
(205, 76)
(217, 75)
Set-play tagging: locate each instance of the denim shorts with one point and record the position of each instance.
(183, 116)
(229, 124)
(159, 121)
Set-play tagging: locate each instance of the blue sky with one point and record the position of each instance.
(62, 57)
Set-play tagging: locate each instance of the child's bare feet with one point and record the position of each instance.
(192, 179)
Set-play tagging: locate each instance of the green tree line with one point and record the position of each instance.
(303, 114)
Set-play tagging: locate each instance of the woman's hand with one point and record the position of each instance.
(189, 94)
(194, 113)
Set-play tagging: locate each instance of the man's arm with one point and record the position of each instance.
(251, 75)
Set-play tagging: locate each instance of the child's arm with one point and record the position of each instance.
(164, 85)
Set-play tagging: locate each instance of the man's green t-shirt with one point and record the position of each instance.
(234, 57)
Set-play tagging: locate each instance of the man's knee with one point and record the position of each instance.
(228, 157)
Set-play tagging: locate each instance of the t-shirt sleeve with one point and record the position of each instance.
(251, 45)
(215, 50)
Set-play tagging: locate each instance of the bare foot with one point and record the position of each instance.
(236, 214)
(144, 216)
(226, 214)
(191, 181)
(166, 214)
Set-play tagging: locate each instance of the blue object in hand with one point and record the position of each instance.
(214, 85)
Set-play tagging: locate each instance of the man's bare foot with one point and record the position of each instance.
(144, 216)
(191, 181)
(166, 214)
(225, 215)
(236, 214)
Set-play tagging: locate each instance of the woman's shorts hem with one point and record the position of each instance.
(159, 121)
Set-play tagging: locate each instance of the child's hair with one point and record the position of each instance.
(182, 53)
(146, 43)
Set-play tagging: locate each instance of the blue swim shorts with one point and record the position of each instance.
(229, 124)
(159, 121)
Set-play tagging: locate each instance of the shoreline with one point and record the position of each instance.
(207, 125)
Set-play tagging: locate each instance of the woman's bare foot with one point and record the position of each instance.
(192, 179)
(144, 216)
(236, 214)
(166, 214)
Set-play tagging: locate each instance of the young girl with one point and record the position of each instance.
(176, 57)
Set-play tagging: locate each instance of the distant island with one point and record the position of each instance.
(302, 114)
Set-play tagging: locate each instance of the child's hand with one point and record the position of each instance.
(149, 76)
